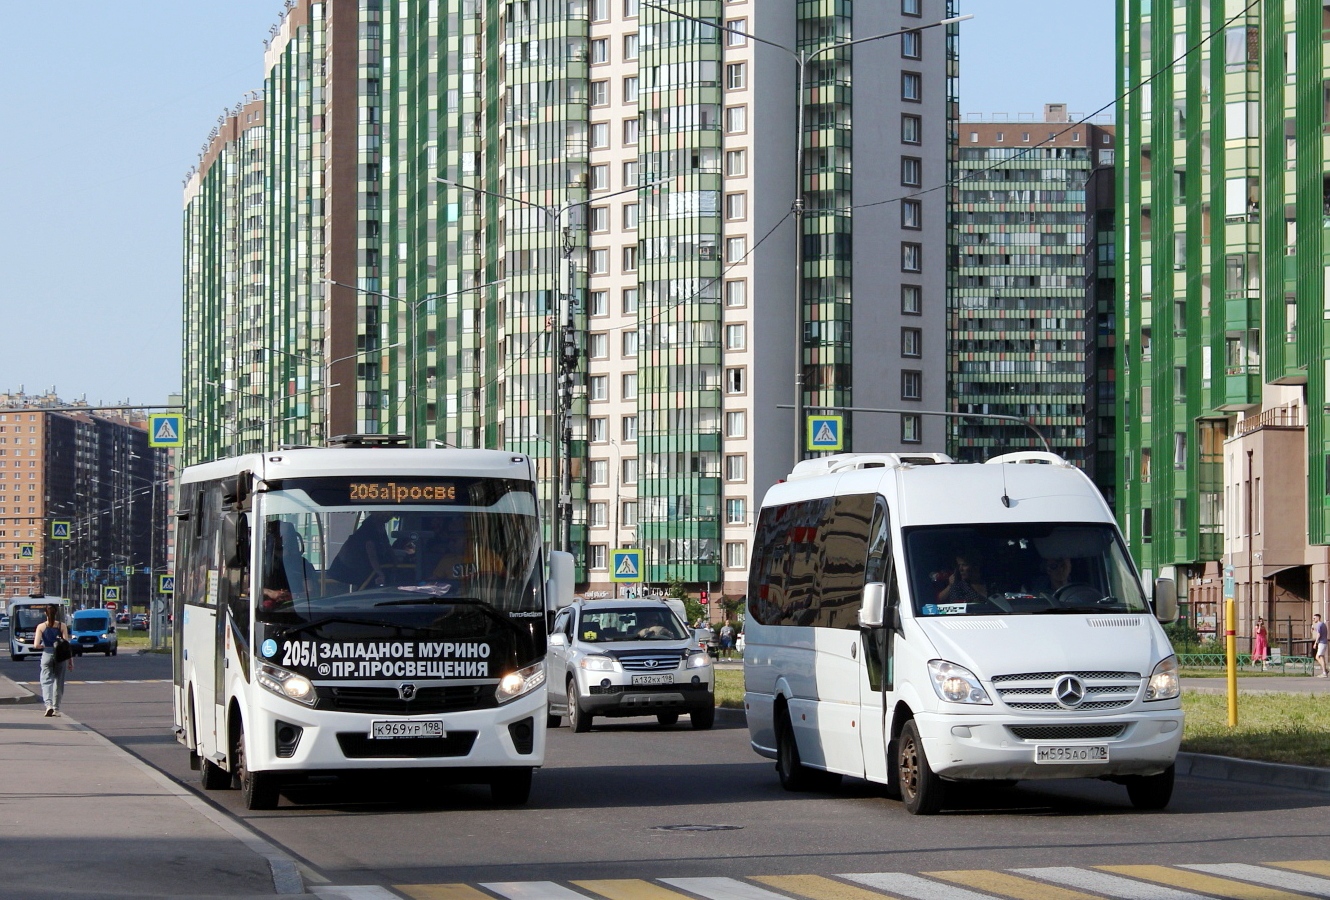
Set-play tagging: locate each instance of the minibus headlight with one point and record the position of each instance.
(523, 681)
(956, 684)
(698, 660)
(599, 664)
(287, 684)
(1164, 683)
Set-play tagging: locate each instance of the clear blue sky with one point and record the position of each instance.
(109, 104)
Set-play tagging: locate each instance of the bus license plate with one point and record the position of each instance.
(414, 729)
(653, 679)
(1071, 754)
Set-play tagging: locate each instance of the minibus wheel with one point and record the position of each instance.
(794, 775)
(212, 777)
(1150, 791)
(921, 790)
(258, 789)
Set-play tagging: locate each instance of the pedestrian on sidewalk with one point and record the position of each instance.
(1260, 644)
(52, 670)
(726, 639)
(1321, 643)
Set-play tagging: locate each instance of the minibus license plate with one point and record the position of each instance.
(1078, 753)
(653, 679)
(421, 728)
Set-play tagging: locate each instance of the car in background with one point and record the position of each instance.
(139, 622)
(122, 618)
(93, 631)
(4, 621)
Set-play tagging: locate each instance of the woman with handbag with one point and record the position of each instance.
(52, 639)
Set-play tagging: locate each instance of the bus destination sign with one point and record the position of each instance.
(393, 492)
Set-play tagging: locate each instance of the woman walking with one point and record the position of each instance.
(53, 671)
(1260, 644)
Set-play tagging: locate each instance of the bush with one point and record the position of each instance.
(1182, 636)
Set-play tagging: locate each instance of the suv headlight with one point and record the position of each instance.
(287, 684)
(698, 660)
(523, 681)
(1164, 683)
(956, 684)
(599, 664)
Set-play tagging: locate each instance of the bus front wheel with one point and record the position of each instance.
(257, 789)
(921, 790)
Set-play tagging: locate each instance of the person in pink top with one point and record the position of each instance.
(1260, 644)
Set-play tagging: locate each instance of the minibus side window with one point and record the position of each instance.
(843, 544)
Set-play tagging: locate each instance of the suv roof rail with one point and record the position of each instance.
(843, 462)
(1029, 456)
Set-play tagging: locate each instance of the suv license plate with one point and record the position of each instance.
(415, 729)
(653, 679)
(1077, 753)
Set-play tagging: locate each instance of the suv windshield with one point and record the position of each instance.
(646, 623)
(1020, 569)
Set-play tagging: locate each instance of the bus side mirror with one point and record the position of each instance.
(871, 613)
(235, 539)
(1166, 600)
(559, 587)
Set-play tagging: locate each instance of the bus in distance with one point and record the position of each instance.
(354, 608)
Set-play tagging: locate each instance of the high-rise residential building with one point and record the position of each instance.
(1031, 295)
(455, 220)
(1223, 183)
(83, 502)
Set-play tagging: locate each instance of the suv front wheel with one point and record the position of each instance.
(578, 719)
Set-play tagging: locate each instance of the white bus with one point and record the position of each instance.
(359, 608)
(25, 614)
(924, 624)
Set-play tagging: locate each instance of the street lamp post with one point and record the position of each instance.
(802, 59)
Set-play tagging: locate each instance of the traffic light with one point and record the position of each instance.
(703, 598)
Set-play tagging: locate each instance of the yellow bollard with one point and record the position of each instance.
(1231, 651)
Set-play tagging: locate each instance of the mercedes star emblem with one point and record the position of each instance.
(1069, 692)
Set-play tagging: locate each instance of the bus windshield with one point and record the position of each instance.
(333, 546)
(26, 618)
(1020, 569)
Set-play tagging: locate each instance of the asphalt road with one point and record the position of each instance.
(610, 804)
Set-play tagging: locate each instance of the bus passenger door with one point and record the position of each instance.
(877, 674)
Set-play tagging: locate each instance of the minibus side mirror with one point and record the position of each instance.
(235, 539)
(559, 587)
(871, 612)
(1166, 600)
(558, 639)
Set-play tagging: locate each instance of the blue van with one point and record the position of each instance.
(92, 631)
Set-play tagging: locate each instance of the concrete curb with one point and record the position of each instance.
(15, 693)
(1249, 771)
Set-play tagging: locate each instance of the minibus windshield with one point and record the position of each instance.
(1020, 569)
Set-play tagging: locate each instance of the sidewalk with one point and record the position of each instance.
(87, 819)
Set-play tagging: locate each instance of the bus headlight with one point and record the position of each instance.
(1164, 683)
(523, 681)
(956, 684)
(287, 684)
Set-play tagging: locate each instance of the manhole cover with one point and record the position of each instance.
(696, 827)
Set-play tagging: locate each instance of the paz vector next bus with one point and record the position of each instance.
(362, 607)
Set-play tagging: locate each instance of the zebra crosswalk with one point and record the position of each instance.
(1289, 880)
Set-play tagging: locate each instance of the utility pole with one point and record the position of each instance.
(568, 359)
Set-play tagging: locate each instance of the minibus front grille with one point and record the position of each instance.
(1065, 732)
(1035, 692)
(388, 700)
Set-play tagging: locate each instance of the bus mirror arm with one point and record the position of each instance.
(872, 612)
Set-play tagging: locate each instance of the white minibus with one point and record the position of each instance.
(923, 623)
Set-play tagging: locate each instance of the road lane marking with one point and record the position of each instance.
(1278, 877)
(1006, 885)
(1109, 885)
(442, 892)
(722, 889)
(629, 889)
(1310, 866)
(1203, 883)
(532, 890)
(817, 887)
(352, 892)
(915, 887)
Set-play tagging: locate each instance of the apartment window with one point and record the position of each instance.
(912, 384)
(599, 431)
(630, 344)
(912, 302)
(911, 45)
(600, 261)
(628, 518)
(736, 555)
(1025, 136)
(736, 76)
(912, 169)
(628, 428)
(911, 87)
(1000, 137)
(911, 257)
(630, 46)
(600, 178)
(630, 171)
(630, 258)
(630, 9)
(630, 471)
(598, 303)
(736, 336)
(736, 424)
(630, 89)
(736, 467)
(736, 33)
(600, 471)
(600, 10)
(910, 432)
(736, 119)
(912, 214)
(600, 135)
(598, 387)
(598, 515)
(736, 248)
(600, 93)
(912, 342)
(629, 386)
(631, 127)
(599, 555)
(630, 216)
(736, 206)
(974, 137)
(736, 512)
(598, 345)
(600, 50)
(629, 301)
(911, 8)
(911, 129)
(734, 381)
(736, 162)
(600, 218)
(736, 293)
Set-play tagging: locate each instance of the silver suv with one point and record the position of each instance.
(626, 658)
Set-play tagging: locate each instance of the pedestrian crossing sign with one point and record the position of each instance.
(166, 584)
(59, 530)
(27, 551)
(826, 433)
(165, 431)
(626, 565)
(110, 593)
